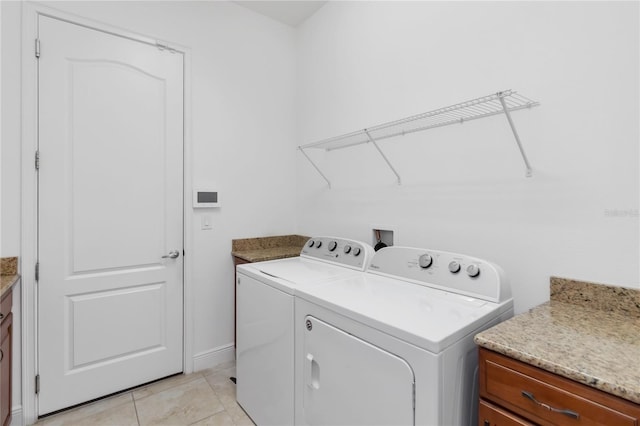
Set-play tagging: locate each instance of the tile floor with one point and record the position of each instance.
(205, 398)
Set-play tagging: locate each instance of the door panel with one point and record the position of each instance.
(348, 381)
(110, 206)
(137, 235)
(125, 334)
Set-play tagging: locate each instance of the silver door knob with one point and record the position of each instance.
(172, 254)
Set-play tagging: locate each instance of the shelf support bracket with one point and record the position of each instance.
(528, 172)
(383, 156)
(315, 166)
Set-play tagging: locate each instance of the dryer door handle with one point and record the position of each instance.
(312, 372)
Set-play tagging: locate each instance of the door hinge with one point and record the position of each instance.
(37, 384)
(37, 160)
(37, 271)
(37, 48)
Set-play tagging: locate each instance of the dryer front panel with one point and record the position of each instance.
(348, 381)
(264, 352)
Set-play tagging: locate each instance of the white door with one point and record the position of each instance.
(110, 207)
(348, 381)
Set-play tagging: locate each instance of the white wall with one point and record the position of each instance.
(243, 69)
(10, 130)
(464, 190)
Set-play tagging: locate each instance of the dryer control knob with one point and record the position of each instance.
(425, 261)
(333, 245)
(347, 249)
(356, 251)
(454, 267)
(473, 270)
(318, 244)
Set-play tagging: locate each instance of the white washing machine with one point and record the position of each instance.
(265, 321)
(394, 346)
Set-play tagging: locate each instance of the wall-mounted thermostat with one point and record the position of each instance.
(205, 199)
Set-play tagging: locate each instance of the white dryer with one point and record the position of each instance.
(265, 321)
(394, 346)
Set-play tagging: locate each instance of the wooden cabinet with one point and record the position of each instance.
(6, 329)
(515, 393)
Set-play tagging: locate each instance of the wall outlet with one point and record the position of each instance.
(206, 222)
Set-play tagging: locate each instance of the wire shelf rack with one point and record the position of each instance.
(503, 102)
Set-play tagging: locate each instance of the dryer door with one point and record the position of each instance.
(348, 381)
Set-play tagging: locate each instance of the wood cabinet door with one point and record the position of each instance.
(5, 370)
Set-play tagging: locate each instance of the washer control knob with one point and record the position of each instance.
(333, 245)
(454, 267)
(311, 243)
(318, 244)
(347, 249)
(356, 251)
(425, 261)
(473, 270)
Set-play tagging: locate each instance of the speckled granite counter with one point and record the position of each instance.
(8, 274)
(587, 332)
(268, 248)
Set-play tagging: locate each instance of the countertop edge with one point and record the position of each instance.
(261, 255)
(7, 283)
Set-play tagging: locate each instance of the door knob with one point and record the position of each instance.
(172, 254)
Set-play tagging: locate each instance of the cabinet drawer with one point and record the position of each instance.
(5, 305)
(490, 415)
(549, 399)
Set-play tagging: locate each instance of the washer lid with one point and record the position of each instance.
(301, 270)
(291, 273)
(426, 317)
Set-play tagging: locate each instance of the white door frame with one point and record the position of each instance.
(29, 308)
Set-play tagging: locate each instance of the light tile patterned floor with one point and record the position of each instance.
(205, 398)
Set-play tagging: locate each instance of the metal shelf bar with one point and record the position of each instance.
(528, 172)
(505, 102)
(383, 156)
(314, 165)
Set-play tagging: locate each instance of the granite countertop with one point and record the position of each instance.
(587, 332)
(7, 282)
(268, 248)
(8, 274)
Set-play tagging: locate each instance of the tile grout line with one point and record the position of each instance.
(135, 407)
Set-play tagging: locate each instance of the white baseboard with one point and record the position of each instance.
(214, 357)
(16, 416)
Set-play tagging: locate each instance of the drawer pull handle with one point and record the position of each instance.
(566, 412)
(1, 315)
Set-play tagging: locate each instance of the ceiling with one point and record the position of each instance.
(289, 12)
